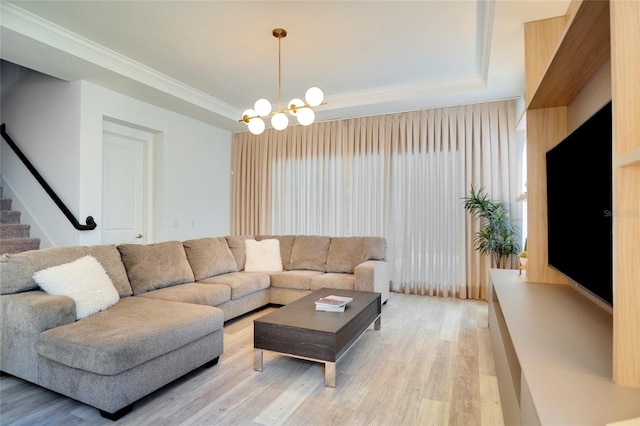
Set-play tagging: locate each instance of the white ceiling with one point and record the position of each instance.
(213, 59)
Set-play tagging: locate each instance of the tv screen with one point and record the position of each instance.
(579, 206)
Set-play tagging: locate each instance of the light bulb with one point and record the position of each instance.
(249, 113)
(314, 96)
(262, 107)
(297, 103)
(305, 116)
(256, 126)
(279, 121)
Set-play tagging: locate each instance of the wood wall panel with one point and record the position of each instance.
(584, 41)
(545, 128)
(625, 57)
(540, 40)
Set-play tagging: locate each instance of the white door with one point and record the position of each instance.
(125, 184)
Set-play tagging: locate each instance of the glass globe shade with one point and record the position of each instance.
(314, 96)
(279, 121)
(249, 113)
(306, 116)
(262, 107)
(256, 126)
(297, 102)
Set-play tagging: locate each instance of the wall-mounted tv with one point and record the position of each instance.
(579, 206)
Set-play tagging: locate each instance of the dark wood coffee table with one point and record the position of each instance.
(298, 330)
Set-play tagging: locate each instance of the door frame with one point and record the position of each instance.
(149, 138)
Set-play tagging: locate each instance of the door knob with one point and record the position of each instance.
(139, 236)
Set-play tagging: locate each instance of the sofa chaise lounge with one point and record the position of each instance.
(170, 302)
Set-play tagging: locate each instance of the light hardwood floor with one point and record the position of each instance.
(430, 364)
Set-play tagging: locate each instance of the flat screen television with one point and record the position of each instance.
(579, 206)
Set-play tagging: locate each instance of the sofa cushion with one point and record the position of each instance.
(333, 280)
(262, 256)
(286, 245)
(16, 270)
(84, 281)
(201, 294)
(310, 252)
(209, 256)
(237, 247)
(300, 280)
(135, 330)
(345, 253)
(153, 266)
(240, 283)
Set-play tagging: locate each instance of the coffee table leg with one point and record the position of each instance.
(257, 359)
(330, 374)
(378, 323)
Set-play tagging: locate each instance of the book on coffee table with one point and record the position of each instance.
(330, 308)
(332, 303)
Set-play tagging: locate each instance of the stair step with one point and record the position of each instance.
(15, 230)
(18, 245)
(11, 216)
(5, 203)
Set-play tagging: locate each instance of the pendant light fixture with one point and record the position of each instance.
(254, 118)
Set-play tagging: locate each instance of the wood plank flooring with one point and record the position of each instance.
(430, 364)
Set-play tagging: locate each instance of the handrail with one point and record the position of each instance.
(91, 224)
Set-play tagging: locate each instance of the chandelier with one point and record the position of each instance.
(296, 107)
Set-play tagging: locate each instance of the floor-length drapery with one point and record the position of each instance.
(400, 176)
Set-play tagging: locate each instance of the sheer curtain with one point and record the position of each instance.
(426, 220)
(400, 176)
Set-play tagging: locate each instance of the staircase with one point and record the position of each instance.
(14, 236)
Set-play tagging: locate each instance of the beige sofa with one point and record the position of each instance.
(173, 300)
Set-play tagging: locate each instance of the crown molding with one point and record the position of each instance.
(34, 27)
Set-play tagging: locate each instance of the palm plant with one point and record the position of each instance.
(498, 236)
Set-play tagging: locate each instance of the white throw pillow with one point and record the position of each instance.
(262, 256)
(83, 280)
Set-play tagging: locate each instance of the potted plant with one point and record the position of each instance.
(498, 236)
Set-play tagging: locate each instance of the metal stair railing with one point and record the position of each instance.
(90, 223)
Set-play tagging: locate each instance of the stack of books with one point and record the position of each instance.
(332, 303)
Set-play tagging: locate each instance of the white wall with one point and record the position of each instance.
(42, 117)
(193, 166)
(59, 127)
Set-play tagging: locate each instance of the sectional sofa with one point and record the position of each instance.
(118, 322)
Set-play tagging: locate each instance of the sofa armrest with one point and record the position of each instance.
(24, 316)
(373, 275)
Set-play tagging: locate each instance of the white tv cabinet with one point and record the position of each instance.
(553, 352)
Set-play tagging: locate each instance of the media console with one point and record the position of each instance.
(553, 353)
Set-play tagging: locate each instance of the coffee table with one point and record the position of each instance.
(299, 331)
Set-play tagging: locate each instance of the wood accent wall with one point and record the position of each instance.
(593, 32)
(545, 127)
(541, 39)
(625, 85)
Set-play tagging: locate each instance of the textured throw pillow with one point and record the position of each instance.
(83, 280)
(286, 245)
(263, 256)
